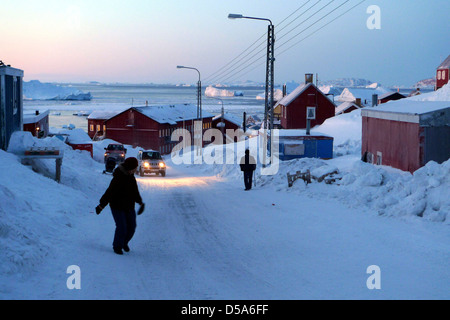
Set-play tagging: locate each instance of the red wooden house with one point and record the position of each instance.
(37, 123)
(442, 73)
(293, 107)
(96, 122)
(406, 134)
(151, 127)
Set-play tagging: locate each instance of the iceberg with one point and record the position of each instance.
(36, 90)
(277, 95)
(214, 92)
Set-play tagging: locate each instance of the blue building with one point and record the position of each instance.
(295, 144)
(11, 103)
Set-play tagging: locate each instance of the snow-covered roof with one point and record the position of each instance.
(286, 100)
(413, 107)
(283, 133)
(229, 117)
(388, 94)
(406, 110)
(365, 94)
(344, 106)
(32, 117)
(103, 114)
(172, 114)
(445, 64)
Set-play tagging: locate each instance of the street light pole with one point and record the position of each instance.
(199, 91)
(270, 62)
(197, 135)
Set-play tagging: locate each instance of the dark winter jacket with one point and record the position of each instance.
(248, 163)
(122, 192)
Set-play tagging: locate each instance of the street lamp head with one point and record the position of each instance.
(180, 67)
(235, 16)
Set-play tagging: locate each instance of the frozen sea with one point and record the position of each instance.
(123, 96)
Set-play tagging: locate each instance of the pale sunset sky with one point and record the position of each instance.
(142, 41)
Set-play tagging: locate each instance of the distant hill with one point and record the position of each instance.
(348, 82)
(425, 83)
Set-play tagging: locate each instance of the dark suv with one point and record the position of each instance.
(115, 151)
(150, 161)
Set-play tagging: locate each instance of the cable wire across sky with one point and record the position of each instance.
(254, 55)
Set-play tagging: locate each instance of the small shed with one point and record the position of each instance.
(442, 73)
(294, 144)
(406, 134)
(390, 96)
(11, 103)
(36, 122)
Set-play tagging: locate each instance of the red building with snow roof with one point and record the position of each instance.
(442, 73)
(293, 107)
(151, 127)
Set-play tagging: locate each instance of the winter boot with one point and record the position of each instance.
(118, 250)
(126, 248)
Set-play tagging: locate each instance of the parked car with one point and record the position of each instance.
(150, 161)
(116, 151)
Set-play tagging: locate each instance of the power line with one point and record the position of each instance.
(260, 57)
(306, 18)
(313, 23)
(320, 27)
(227, 76)
(218, 73)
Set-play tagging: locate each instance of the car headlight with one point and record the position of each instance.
(146, 164)
(162, 165)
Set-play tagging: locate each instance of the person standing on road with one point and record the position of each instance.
(121, 195)
(248, 165)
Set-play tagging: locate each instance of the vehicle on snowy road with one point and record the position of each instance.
(150, 161)
(116, 151)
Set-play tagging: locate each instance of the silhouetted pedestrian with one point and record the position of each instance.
(121, 195)
(248, 165)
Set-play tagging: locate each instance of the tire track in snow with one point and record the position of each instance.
(188, 245)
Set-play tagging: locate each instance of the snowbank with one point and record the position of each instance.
(36, 90)
(442, 94)
(36, 211)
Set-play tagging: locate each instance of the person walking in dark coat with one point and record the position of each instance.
(248, 165)
(121, 195)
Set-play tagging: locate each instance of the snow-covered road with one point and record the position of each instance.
(204, 237)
